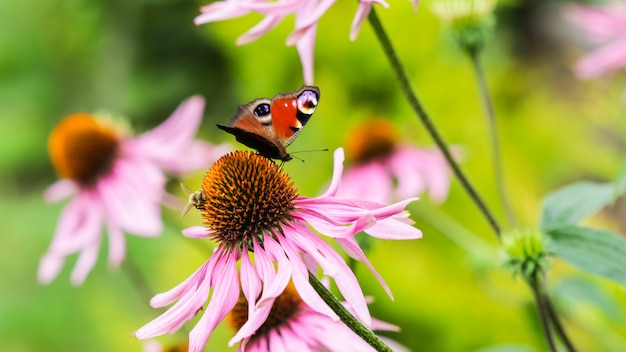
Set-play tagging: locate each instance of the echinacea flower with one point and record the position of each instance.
(307, 12)
(293, 326)
(604, 24)
(384, 170)
(116, 181)
(255, 214)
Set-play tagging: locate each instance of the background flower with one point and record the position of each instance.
(116, 181)
(384, 170)
(604, 24)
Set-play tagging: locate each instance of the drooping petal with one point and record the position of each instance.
(117, 244)
(335, 183)
(353, 249)
(335, 267)
(256, 32)
(224, 298)
(283, 272)
(301, 281)
(362, 11)
(86, 261)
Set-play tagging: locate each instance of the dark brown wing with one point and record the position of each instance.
(263, 145)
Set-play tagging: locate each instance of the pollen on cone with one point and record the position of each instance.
(246, 194)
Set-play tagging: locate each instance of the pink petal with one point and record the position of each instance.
(50, 266)
(192, 295)
(338, 157)
(86, 261)
(394, 229)
(59, 190)
(601, 61)
(219, 11)
(117, 245)
(363, 10)
(352, 248)
(225, 296)
(300, 279)
(250, 281)
(165, 298)
(336, 267)
(199, 232)
(254, 322)
(331, 229)
(267, 24)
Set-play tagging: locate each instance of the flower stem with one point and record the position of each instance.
(544, 315)
(493, 136)
(366, 334)
(410, 95)
(560, 331)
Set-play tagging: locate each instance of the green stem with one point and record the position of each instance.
(366, 334)
(493, 136)
(535, 285)
(406, 89)
(558, 327)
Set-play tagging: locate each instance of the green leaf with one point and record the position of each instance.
(574, 202)
(597, 252)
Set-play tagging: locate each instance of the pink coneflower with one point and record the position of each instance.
(308, 13)
(116, 181)
(255, 214)
(383, 170)
(291, 325)
(604, 24)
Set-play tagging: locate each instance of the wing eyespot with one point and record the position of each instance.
(262, 110)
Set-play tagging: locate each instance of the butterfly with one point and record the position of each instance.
(271, 125)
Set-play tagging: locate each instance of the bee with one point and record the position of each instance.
(196, 199)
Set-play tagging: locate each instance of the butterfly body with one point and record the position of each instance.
(271, 125)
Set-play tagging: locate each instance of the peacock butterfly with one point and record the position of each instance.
(271, 125)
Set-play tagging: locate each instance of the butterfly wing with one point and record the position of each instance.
(269, 126)
(256, 131)
(291, 111)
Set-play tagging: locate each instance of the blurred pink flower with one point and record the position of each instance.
(252, 209)
(291, 325)
(384, 170)
(116, 181)
(604, 24)
(308, 13)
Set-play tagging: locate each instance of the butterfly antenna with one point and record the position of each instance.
(307, 151)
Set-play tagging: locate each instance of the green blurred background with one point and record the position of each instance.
(140, 59)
